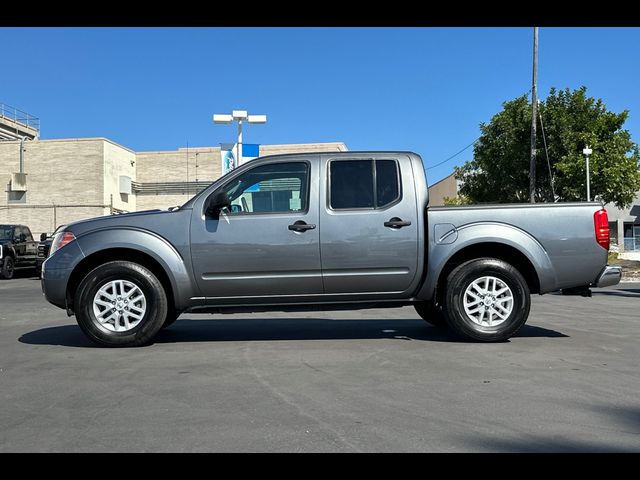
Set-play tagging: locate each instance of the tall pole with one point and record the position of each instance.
(534, 108)
(588, 186)
(587, 151)
(239, 145)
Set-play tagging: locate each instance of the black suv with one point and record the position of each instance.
(43, 249)
(18, 250)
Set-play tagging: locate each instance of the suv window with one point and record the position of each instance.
(6, 232)
(27, 234)
(272, 188)
(363, 183)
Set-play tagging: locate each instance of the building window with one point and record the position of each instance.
(631, 237)
(613, 232)
(16, 197)
(363, 184)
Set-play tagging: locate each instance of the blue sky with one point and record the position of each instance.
(420, 89)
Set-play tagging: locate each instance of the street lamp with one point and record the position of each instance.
(238, 116)
(587, 151)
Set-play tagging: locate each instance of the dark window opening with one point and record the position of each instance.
(363, 184)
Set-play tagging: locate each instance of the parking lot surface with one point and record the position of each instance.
(371, 381)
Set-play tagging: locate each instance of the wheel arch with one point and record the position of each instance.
(136, 246)
(500, 241)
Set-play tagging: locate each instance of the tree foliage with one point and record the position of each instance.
(499, 171)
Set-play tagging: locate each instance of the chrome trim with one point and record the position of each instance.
(610, 275)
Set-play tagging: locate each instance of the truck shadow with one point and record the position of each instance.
(620, 292)
(242, 330)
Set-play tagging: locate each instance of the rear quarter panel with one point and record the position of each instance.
(558, 239)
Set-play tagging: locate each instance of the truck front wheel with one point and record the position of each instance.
(6, 268)
(120, 304)
(486, 300)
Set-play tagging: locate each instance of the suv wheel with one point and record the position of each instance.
(120, 304)
(486, 300)
(7, 268)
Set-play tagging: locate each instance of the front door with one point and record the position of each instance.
(267, 243)
(369, 226)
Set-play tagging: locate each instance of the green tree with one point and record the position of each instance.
(499, 171)
(457, 200)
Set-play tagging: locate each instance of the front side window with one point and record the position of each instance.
(27, 234)
(273, 188)
(358, 184)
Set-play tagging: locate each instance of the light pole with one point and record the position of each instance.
(587, 151)
(238, 116)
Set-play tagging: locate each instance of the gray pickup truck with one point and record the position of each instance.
(324, 231)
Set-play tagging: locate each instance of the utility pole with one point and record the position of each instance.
(534, 108)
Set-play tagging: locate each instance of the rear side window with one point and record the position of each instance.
(363, 184)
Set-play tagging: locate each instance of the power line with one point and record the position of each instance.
(454, 155)
(471, 144)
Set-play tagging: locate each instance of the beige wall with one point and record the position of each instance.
(175, 166)
(118, 161)
(178, 165)
(447, 187)
(60, 172)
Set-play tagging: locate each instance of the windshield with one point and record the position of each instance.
(6, 232)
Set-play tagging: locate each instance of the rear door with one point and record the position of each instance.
(369, 225)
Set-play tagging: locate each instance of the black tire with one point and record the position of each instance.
(462, 277)
(152, 320)
(172, 316)
(431, 313)
(8, 268)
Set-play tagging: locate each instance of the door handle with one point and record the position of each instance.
(396, 222)
(301, 226)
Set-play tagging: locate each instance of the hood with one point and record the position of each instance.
(135, 219)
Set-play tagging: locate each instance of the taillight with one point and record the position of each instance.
(60, 240)
(601, 225)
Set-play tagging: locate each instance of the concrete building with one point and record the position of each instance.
(57, 181)
(447, 187)
(624, 229)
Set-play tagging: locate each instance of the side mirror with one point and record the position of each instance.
(217, 202)
(43, 237)
(23, 238)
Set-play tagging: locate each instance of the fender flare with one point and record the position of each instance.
(147, 242)
(488, 232)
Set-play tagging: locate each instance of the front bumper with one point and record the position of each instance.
(56, 271)
(610, 275)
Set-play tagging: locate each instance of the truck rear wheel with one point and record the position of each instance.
(431, 313)
(7, 268)
(121, 304)
(486, 300)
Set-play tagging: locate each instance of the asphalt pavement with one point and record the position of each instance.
(364, 381)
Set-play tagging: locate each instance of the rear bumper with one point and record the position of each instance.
(610, 275)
